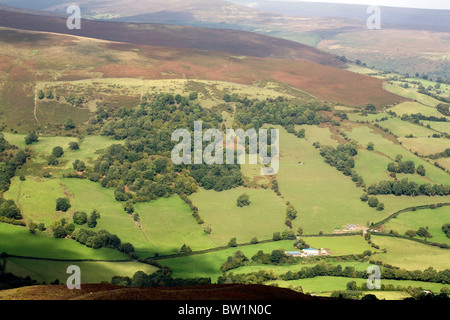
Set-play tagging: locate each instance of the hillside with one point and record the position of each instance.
(112, 292)
(229, 41)
(25, 60)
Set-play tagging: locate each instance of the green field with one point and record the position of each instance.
(168, 224)
(413, 220)
(91, 271)
(43, 246)
(90, 149)
(411, 255)
(87, 196)
(443, 127)
(402, 128)
(364, 135)
(412, 94)
(264, 216)
(208, 264)
(342, 245)
(324, 286)
(306, 186)
(425, 146)
(415, 107)
(36, 197)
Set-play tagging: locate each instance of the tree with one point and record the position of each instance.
(232, 242)
(423, 233)
(32, 227)
(57, 152)
(276, 236)
(373, 202)
(49, 94)
(68, 125)
(291, 213)
(421, 170)
(30, 138)
(52, 160)
(370, 108)
(380, 206)
(41, 94)
(370, 146)
(410, 233)
(300, 231)
(62, 204)
(193, 96)
(80, 218)
(92, 220)
(243, 200)
(351, 285)
(74, 145)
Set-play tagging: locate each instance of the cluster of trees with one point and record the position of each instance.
(291, 214)
(74, 100)
(408, 188)
(416, 117)
(31, 138)
(57, 152)
(193, 208)
(342, 159)
(80, 218)
(234, 261)
(421, 232)
(10, 160)
(408, 167)
(285, 235)
(444, 109)
(259, 277)
(9, 209)
(96, 240)
(373, 202)
(47, 94)
(62, 229)
(160, 278)
(276, 257)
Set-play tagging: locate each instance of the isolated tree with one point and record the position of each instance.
(68, 125)
(63, 204)
(300, 231)
(30, 138)
(370, 146)
(232, 242)
(243, 200)
(41, 94)
(74, 145)
(58, 151)
(291, 213)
